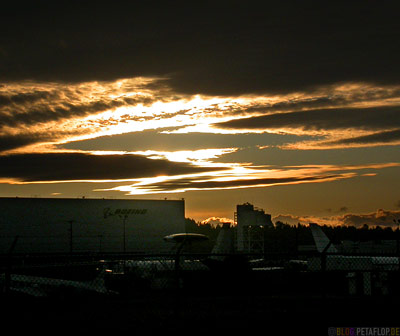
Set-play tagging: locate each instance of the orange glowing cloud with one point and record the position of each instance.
(34, 114)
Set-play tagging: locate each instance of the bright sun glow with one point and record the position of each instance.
(199, 157)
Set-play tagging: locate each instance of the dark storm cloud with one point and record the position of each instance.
(223, 47)
(372, 118)
(80, 166)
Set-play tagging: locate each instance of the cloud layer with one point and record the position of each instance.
(223, 48)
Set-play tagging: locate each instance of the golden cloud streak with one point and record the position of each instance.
(246, 177)
(55, 113)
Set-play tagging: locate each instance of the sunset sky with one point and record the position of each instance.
(293, 107)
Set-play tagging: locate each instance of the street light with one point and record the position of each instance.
(181, 239)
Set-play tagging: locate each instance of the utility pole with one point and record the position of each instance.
(397, 236)
(70, 236)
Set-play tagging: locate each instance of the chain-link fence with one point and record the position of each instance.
(165, 290)
(124, 275)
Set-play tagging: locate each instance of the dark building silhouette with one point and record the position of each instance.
(250, 224)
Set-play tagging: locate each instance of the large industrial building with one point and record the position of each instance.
(49, 225)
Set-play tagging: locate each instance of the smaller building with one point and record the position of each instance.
(250, 224)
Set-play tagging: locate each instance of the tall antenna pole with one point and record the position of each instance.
(124, 233)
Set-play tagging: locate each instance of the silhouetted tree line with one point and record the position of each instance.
(210, 231)
(283, 237)
(286, 238)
